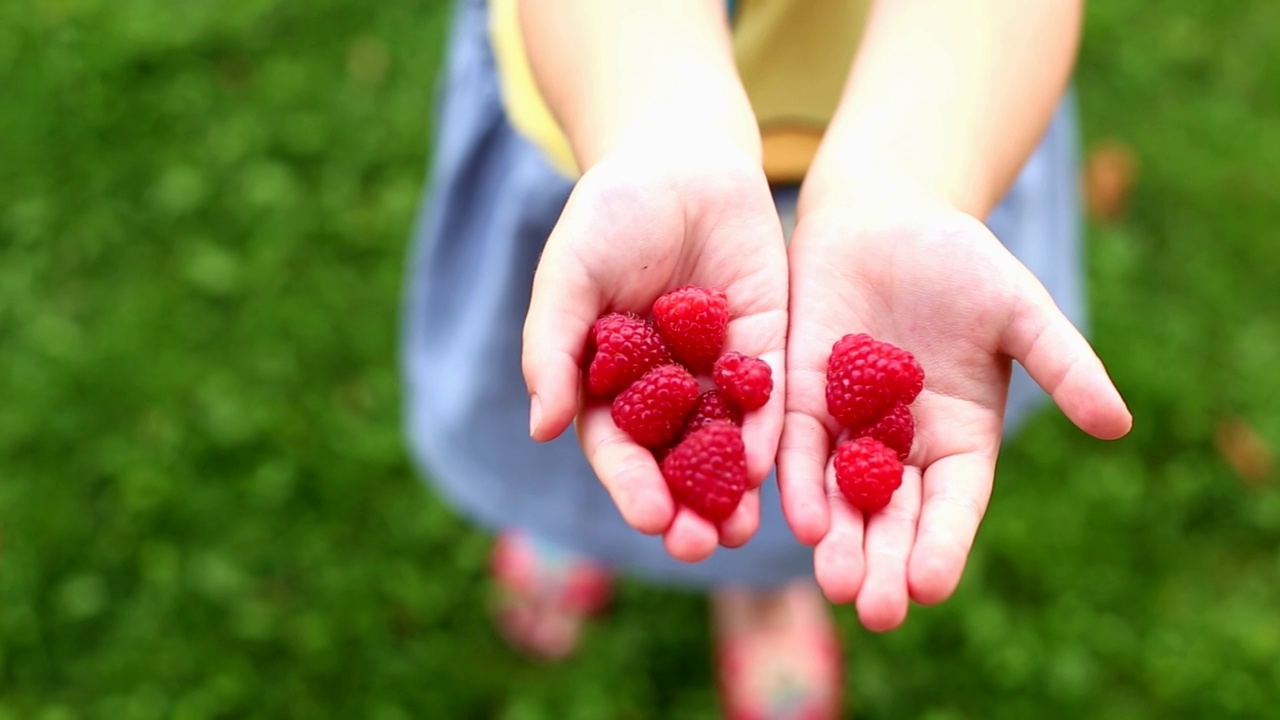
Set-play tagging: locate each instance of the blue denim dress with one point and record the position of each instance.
(490, 203)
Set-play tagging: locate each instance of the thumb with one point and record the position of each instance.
(562, 309)
(1060, 360)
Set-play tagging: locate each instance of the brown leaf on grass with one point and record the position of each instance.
(368, 60)
(1110, 171)
(1245, 450)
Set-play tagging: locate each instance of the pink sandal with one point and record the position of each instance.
(545, 595)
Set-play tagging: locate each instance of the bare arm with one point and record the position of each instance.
(611, 68)
(945, 102)
(947, 99)
(672, 193)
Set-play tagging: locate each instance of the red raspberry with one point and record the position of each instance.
(711, 407)
(627, 347)
(868, 472)
(707, 471)
(866, 378)
(693, 321)
(653, 409)
(747, 381)
(897, 430)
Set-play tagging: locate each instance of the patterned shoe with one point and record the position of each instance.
(544, 595)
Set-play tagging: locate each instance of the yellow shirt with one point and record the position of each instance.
(793, 57)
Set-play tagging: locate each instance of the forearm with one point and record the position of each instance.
(946, 99)
(611, 68)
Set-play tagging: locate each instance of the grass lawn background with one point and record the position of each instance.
(205, 505)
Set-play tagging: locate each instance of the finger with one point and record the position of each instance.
(690, 538)
(956, 490)
(761, 428)
(628, 472)
(743, 523)
(883, 600)
(802, 459)
(838, 560)
(1063, 363)
(757, 289)
(759, 329)
(563, 306)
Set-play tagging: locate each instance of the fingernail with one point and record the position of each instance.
(535, 415)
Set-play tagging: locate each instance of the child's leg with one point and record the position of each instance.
(778, 654)
(777, 651)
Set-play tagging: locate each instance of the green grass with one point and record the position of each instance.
(205, 505)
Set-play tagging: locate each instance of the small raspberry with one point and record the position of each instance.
(897, 430)
(866, 378)
(707, 471)
(711, 406)
(868, 472)
(747, 381)
(693, 320)
(627, 347)
(653, 409)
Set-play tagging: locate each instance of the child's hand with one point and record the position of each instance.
(643, 221)
(937, 283)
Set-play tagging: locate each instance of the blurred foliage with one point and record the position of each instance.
(205, 506)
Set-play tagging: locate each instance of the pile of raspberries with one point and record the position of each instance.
(870, 388)
(675, 391)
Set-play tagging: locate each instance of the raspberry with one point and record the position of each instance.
(747, 381)
(707, 471)
(711, 406)
(866, 378)
(626, 348)
(653, 409)
(693, 321)
(897, 430)
(868, 472)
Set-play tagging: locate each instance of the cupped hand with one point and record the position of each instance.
(936, 282)
(645, 220)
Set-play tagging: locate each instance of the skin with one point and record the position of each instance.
(656, 208)
(944, 104)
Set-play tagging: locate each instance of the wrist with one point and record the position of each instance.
(869, 188)
(693, 119)
(871, 158)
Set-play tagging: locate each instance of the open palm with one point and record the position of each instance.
(637, 225)
(937, 283)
